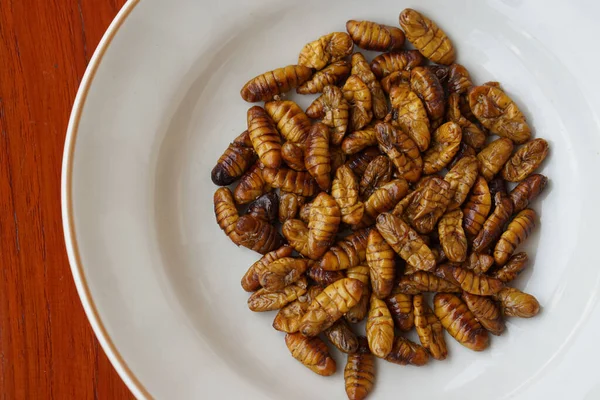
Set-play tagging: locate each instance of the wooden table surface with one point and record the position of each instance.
(47, 347)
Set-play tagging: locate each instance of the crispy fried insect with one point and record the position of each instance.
(333, 74)
(444, 146)
(360, 309)
(359, 140)
(460, 322)
(338, 157)
(358, 95)
(471, 133)
(515, 303)
(312, 352)
(422, 281)
(477, 207)
(459, 79)
(288, 180)
(427, 37)
(358, 162)
(257, 234)
(288, 318)
(359, 374)
(429, 328)
(380, 328)
(318, 157)
(479, 263)
(289, 205)
(334, 110)
(516, 233)
(468, 280)
(373, 36)
(441, 72)
(497, 185)
(405, 352)
(266, 207)
(409, 114)
(323, 224)
(345, 192)
(264, 136)
(361, 68)
(463, 151)
(385, 198)
(406, 242)
(267, 86)
(266, 300)
(325, 50)
(525, 160)
(452, 236)
(387, 63)
(401, 150)
(296, 233)
(324, 277)
(292, 122)
(486, 311)
(305, 212)
(395, 79)
(515, 265)
(236, 159)
(428, 204)
(377, 173)
(493, 156)
(342, 337)
(226, 212)
(499, 113)
(382, 267)
(492, 227)
(251, 186)
(527, 190)
(461, 178)
(282, 272)
(250, 281)
(335, 300)
(348, 252)
(293, 156)
(426, 85)
(401, 308)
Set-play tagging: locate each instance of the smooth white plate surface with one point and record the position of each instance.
(160, 281)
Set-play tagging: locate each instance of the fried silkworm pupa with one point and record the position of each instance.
(385, 198)
(486, 311)
(460, 322)
(461, 178)
(324, 277)
(395, 79)
(401, 308)
(459, 79)
(492, 227)
(441, 72)
(271, 84)
(361, 68)
(234, 161)
(342, 337)
(266, 207)
(257, 234)
(288, 180)
(477, 207)
(426, 85)
(318, 156)
(312, 352)
(226, 212)
(515, 303)
(250, 281)
(373, 36)
(296, 233)
(333, 74)
(325, 50)
(497, 185)
(452, 236)
(472, 135)
(265, 138)
(291, 121)
(345, 192)
(359, 374)
(323, 224)
(380, 328)
(288, 318)
(358, 162)
(444, 146)
(305, 213)
(251, 186)
(525, 160)
(464, 150)
(348, 252)
(479, 263)
(527, 190)
(515, 265)
(422, 281)
(469, 281)
(493, 156)
(359, 140)
(387, 63)
(382, 267)
(409, 114)
(406, 242)
(429, 328)
(428, 204)
(282, 272)
(359, 311)
(405, 352)
(427, 37)
(329, 305)
(358, 95)
(289, 206)
(401, 150)
(334, 110)
(266, 300)
(516, 233)
(377, 173)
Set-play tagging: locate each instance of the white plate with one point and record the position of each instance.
(159, 280)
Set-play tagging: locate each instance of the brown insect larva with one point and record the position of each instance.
(452, 236)
(323, 224)
(525, 160)
(516, 233)
(401, 150)
(312, 352)
(266, 207)
(460, 322)
(267, 86)
(428, 204)
(325, 50)
(257, 234)
(266, 300)
(422, 281)
(479, 263)
(264, 136)
(358, 162)
(373, 36)
(486, 311)
(250, 281)
(359, 140)
(477, 207)
(493, 156)
(515, 303)
(292, 122)
(380, 328)
(318, 158)
(409, 114)
(405, 352)
(288, 180)
(387, 63)
(459, 79)
(359, 374)
(469, 281)
(461, 178)
(361, 68)
(527, 190)
(226, 212)
(492, 227)
(282, 272)
(289, 205)
(426, 85)
(444, 146)
(498, 113)
(329, 305)
(441, 72)
(472, 135)
(236, 159)
(251, 186)
(401, 308)
(406, 242)
(288, 318)
(377, 173)
(334, 110)
(324, 277)
(296, 233)
(515, 265)
(385, 198)
(427, 37)
(497, 185)
(345, 192)
(429, 328)
(382, 267)
(360, 309)
(348, 252)
(342, 337)
(333, 74)
(358, 95)
(395, 79)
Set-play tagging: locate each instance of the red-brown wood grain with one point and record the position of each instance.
(47, 348)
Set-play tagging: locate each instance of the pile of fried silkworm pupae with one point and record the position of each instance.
(391, 184)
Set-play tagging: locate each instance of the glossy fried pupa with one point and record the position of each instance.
(429, 328)
(288, 180)
(459, 79)
(266, 207)
(324, 277)
(333, 74)
(226, 212)
(257, 234)
(361, 68)
(291, 121)
(527, 190)
(271, 84)
(342, 337)
(358, 162)
(347, 252)
(427, 37)
(250, 281)
(516, 233)
(234, 161)
(525, 160)
(460, 322)
(385, 198)
(325, 50)
(282, 272)
(452, 236)
(461, 177)
(359, 374)
(334, 110)
(251, 186)
(486, 312)
(428, 204)
(422, 281)
(357, 94)
(426, 85)
(406, 352)
(408, 113)
(469, 281)
(358, 140)
(401, 150)
(515, 265)
(288, 318)
(264, 136)
(388, 63)
(395, 79)
(296, 233)
(323, 224)
(401, 308)
(515, 303)
(380, 328)
(377, 173)
(317, 155)
(472, 135)
(267, 300)
(382, 267)
(493, 225)
(444, 146)
(345, 190)
(477, 207)
(479, 263)
(373, 36)
(359, 311)
(289, 205)
(293, 156)
(312, 352)
(493, 156)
